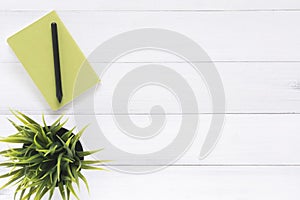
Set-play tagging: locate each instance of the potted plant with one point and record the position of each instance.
(49, 157)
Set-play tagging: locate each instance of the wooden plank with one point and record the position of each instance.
(152, 5)
(192, 183)
(255, 140)
(249, 88)
(225, 36)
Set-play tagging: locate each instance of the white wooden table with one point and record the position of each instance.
(256, 48)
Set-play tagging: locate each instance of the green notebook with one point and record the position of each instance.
(33, 47)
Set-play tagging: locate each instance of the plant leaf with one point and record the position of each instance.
(91, 162)
(62, 191)
(16, 139)
(84, 180)
(28, 119)
(91, 167)
(87, 153)
(58, 166)
(71, 189)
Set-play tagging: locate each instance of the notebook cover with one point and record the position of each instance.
(33, 47)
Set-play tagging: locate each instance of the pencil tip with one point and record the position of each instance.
(59, 97)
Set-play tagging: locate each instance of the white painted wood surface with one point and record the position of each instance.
(207, 182)
(152, 5)
(253, 139)
(249, 88)
(255, 46)
(192, 183)
(225, 36)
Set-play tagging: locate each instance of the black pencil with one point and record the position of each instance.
(58, 84)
